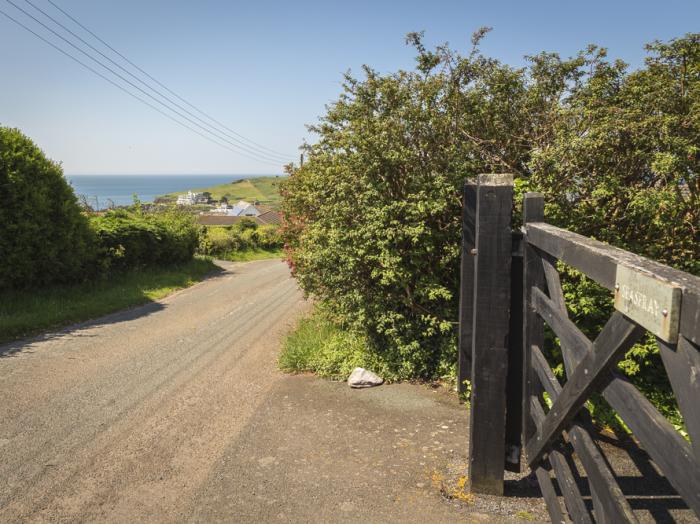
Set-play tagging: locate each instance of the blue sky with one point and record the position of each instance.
(265, 69)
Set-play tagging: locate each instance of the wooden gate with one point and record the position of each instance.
(555, 426)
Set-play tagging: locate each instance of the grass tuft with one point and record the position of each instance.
(319, 346)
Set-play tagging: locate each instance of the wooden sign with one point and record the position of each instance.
(653, 303)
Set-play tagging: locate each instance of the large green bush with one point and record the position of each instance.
(44, 237)
(127, 239)
(373, 217)
(223, 241)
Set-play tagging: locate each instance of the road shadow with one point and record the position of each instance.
(647, 490)
(75, 330)
(524, 487)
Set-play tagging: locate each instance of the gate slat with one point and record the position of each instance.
(549, 495)
(574, 344)
(573, 500)
(556, 295)
(569, 489)
(549, 265)
(533, 328)
(610, 497)
(682, 364)
(618, 335)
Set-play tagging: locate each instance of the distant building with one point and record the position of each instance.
(222, 209)
(190, 199)
(269, 217)
(249, 211)
(262, 219)
(240, 209)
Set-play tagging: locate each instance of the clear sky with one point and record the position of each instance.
(265, 68)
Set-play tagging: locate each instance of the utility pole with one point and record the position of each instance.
(301, 160)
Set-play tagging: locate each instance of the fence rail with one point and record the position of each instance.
(649, 297)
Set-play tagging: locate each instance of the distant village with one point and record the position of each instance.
(225, 214)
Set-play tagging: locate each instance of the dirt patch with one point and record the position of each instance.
(318, 451)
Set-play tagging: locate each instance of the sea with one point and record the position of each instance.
(103, 190)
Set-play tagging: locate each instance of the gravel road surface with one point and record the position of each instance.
(176, 412)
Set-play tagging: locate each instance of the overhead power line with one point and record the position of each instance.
(238, 146)
(97, 61)
(253, 149)
(201, 112)
(115, 84)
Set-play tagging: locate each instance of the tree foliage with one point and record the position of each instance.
(222, 241)
(44, 237)
(373, 216)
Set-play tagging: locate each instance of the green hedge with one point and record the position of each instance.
(221, 241)
(372, 218)
(130, 239)
(44, 237)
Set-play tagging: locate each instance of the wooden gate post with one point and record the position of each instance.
(514, 385)
(491, 316)
(533, 326)
(466, 286)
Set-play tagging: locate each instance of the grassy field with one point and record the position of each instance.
(25, 313)
(264, 189)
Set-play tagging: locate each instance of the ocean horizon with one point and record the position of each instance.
(102, 190)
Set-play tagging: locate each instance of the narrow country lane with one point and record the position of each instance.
(125, 417)
(176, 412)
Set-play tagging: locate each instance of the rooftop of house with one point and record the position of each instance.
(269, 217)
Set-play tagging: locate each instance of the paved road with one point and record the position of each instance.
(176, 412)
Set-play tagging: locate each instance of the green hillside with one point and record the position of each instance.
(264, 189)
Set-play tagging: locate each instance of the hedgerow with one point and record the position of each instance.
(127, 239)
(222, 241)
(372, 218)
(44, 237)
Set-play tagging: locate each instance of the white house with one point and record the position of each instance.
(221, 209)
(191, 199)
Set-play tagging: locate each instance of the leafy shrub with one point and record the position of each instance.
(622, 164)
(223, 241)
(269, 237)
(44, 237)
(130, 239)
(217, 240)
(320, 346)
(372, 219)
